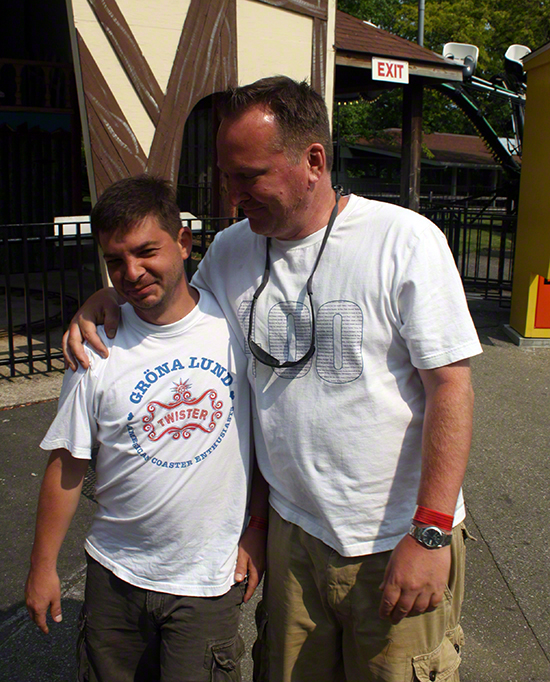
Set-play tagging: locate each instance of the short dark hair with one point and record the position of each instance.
(128, 201)
(299, 110)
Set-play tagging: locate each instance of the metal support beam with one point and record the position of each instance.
(421, 13)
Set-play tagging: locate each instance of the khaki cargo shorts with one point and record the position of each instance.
(318, 621)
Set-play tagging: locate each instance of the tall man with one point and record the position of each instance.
(169, 409)
(358, 338)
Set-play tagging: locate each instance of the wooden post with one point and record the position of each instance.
(76, 144)
(221, 208)
(411, 145)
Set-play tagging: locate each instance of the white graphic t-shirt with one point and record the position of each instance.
(169, 409)
(339, 438)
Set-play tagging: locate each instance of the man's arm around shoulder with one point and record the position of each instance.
(103, 307)
(59, 496)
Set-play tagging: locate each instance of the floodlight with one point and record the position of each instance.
(512, 61)
(464, 54)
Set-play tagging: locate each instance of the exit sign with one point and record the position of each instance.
(390, 70)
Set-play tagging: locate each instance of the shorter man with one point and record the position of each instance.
(169, 409)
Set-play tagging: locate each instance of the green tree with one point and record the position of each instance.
(366, 119)
(491, 25)
(383, 13)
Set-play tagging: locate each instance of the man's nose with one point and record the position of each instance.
(134, 270)
(235, 191)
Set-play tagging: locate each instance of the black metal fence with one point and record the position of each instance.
(45, 274)
(47, 270)
(483, 244)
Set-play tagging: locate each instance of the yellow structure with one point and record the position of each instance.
(530, 312)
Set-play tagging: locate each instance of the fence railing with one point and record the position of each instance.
(29, 84)
(483, 244)
(48, 270)
(44, 278)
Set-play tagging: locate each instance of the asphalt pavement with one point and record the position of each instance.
(506, 614)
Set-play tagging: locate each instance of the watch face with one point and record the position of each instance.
(432, 537)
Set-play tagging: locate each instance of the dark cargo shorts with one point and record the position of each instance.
(129, 634)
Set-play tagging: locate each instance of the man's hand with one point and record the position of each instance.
(101, 308)
(415, 580)
(415, 577)
(251, 559)
(59, 496)
(42, 590)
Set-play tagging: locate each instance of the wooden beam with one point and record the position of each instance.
(117, 152)
(199, 69)
(411, 145)
(441, 72)
(311, 8)
(319, 56)
(127, 50)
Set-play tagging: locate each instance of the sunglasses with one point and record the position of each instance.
(257, 351)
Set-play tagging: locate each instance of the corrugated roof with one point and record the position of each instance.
(354, 35)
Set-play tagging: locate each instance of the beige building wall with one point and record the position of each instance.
(143, 65)
(157, 28)
(157, 24)
(272, 41)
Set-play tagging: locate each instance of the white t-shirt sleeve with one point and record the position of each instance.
(74, 427)
(436, 323)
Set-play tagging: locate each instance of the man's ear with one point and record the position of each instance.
(185, 241)
(317, 161)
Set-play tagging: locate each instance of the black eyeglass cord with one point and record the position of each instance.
(257, 351)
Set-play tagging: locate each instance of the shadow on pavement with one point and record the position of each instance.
(28, 655)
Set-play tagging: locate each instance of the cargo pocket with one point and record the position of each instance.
(260, 649)
(82, 665)
(440, 665)
(456, 637)
(226, 660)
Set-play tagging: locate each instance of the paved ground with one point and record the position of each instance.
(506, 612)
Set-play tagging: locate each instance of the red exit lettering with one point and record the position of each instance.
(389, 70)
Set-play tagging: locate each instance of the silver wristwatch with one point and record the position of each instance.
(431, 537)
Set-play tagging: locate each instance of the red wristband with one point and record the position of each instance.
(257, 522)
(434, 518)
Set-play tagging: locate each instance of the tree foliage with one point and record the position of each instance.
(491, 25)
(383, 13)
